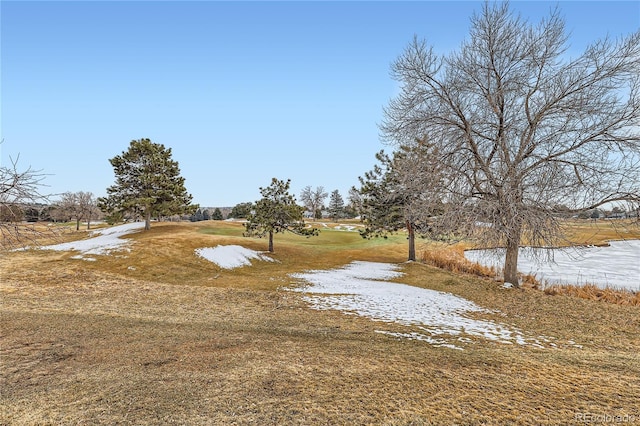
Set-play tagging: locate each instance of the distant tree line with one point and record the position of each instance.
(207, 214)
(314, 202)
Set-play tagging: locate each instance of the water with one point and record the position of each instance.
(616, 266)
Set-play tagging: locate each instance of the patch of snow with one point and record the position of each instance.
(348, 228)
(81, 257)
(615, 266)
(101, 241)
(441, 343)
(231, 256)
(508, 285)
(359, 288)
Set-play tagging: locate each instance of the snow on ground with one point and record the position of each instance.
(616, 266)
(102, 241)
(442, 318)
(342, 227)
(348, 228)
(232, 256)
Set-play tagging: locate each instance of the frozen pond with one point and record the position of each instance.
(616, 266)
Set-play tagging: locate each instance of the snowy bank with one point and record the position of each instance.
(615, 266)
(101, 241)
(232, 256)
(442, 318)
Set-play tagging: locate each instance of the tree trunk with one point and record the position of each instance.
(412, 241)
(147, 221)
(511, 262)
(270, 241)
(77, 224)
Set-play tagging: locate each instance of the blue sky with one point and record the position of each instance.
(241, 91)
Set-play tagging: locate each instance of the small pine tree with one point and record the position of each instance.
(276, 212)
(336, 205)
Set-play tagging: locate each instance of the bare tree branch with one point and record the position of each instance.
(519, 128)
(19, 190)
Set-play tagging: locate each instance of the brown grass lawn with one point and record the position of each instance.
(160, 336)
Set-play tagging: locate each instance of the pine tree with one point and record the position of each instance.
(148, 183)
(276, 212)
(401, 193)
(336, 205)
(241, 211)
(217, 214)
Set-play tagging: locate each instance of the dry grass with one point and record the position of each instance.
(592, 292)
(598, 232)
(451, 258)
(179, 341)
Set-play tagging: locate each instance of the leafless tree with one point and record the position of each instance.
(313, 200)
(18, 191)
(521, 127)
(354, 200)
(79, 206)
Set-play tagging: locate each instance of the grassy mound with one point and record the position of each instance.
(159, 335)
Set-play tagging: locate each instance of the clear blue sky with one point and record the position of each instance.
(241, 91)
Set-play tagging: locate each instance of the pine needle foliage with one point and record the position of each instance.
(148, 184)
(277, 212)
(401, 193)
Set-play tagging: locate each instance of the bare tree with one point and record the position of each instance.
(520, 127)
(18, 190)
(355, 200)
(313, 200)
(79, 206)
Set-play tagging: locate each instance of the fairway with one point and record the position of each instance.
(155, 334)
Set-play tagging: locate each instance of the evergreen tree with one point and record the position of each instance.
(241, 211)
(336, 205)
(217, 214)
(276, 212)
(401, 193)
(148, 183)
